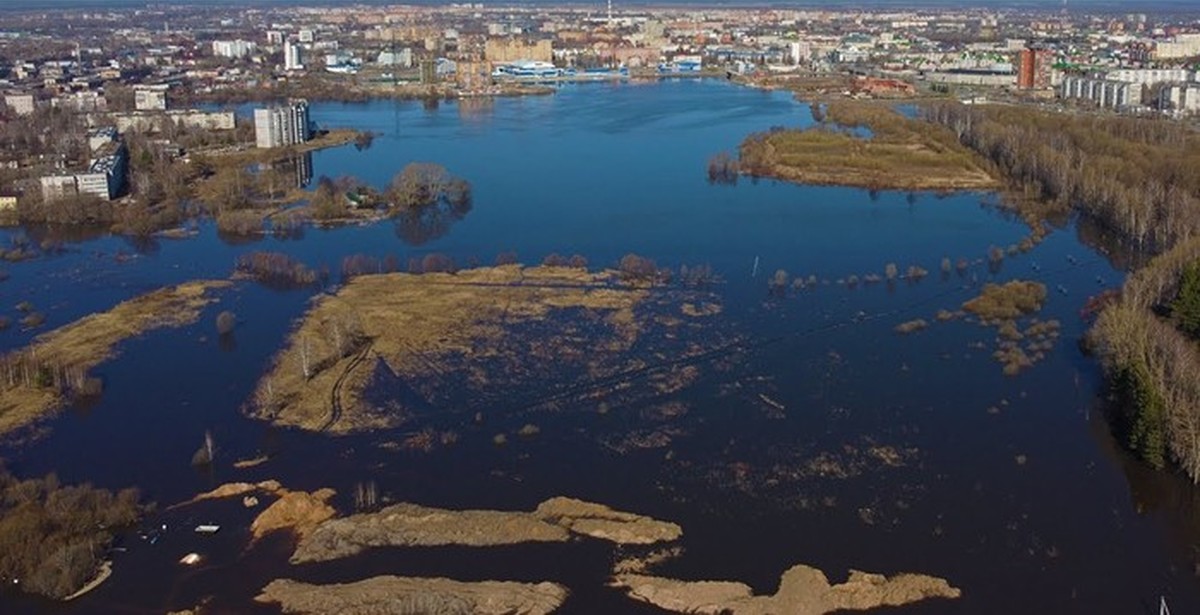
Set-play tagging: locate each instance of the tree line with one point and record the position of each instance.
(1140, 177)
(1147, 340)
(53, 536)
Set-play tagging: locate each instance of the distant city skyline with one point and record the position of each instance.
(1048, 5)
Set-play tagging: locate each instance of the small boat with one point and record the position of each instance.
(207, 529)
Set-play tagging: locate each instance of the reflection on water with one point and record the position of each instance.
(295, 171)
(823, 437)
(421, 225)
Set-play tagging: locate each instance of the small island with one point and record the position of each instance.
(43, 377)
(896, 153)
(441, 334)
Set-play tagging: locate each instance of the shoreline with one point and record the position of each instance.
(102, 575)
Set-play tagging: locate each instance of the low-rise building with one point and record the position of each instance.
(104, 178)
(101, 137)
(148, 121)
(8, 201)
(85, 101)
(20, 104)
(150, 97)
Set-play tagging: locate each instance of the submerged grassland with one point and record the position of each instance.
(429, 339)
(41, 378)
(899, 154)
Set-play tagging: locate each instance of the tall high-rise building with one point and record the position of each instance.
(292, 60)
(282, 125)
(1034, 68)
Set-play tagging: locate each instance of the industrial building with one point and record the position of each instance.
(282, 125)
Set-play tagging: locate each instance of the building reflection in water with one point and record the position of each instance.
(298, 169)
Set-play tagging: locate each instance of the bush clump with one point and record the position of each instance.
(999, 302)
(277, 270)
(637, 268)
(911, 326)
(226, 321)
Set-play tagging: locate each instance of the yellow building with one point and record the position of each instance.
(513, 49)
(7, 202)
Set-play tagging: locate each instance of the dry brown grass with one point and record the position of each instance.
(242, 157)
(411, 322)
(1008, 301)
(82, 345)
(901, 154)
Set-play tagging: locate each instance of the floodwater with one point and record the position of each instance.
(823, 438)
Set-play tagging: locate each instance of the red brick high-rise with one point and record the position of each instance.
(1033, 71)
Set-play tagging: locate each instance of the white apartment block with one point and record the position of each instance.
(1182, 98)
(282, 125)
(233, 49)
(292, 59)
(1182, 46)
(1106, 93)
(20, 104)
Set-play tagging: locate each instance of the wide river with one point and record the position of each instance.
(827, 439)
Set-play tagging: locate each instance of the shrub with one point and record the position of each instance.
(778, 282)
(915, 273)
(911, 326)
(640, 268)
(421, 184)
(1007, 301)
(437, 262)
(277, 270)
(226, 321)
(240, 222)
(723, 169)
(506, 258)
(696, 275)
(554, 259)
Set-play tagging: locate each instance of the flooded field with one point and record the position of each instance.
(832, 397)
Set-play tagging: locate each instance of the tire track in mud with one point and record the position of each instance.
(335, 395)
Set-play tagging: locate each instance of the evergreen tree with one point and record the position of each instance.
(1146, 428)
(1186, 306)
